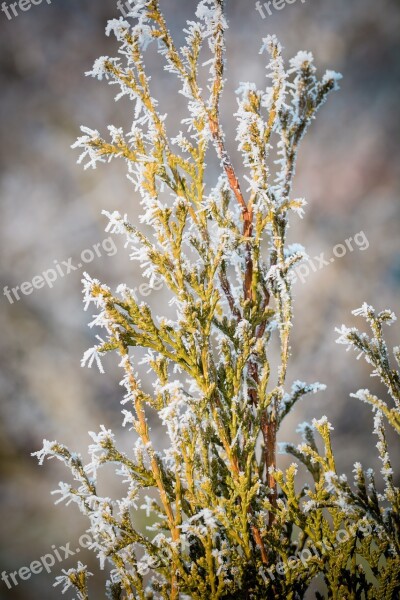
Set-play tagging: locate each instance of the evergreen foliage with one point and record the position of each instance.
(227, 523)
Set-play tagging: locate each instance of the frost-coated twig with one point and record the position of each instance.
(222, 512)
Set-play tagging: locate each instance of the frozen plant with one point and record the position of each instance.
(355, 529)
(223, 514)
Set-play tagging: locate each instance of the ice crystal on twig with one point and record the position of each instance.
(222, 513)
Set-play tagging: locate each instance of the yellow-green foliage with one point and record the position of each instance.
(228, 524)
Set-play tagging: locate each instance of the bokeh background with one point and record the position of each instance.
(50, 210)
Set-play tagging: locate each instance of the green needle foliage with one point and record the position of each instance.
(227, 523)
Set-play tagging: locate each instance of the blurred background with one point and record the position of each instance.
(50, 210)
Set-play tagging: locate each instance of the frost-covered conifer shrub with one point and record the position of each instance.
(227, 522)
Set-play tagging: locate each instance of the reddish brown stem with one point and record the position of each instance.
(226, 162)
(268, 428)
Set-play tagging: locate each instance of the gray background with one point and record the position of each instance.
(50, 210)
